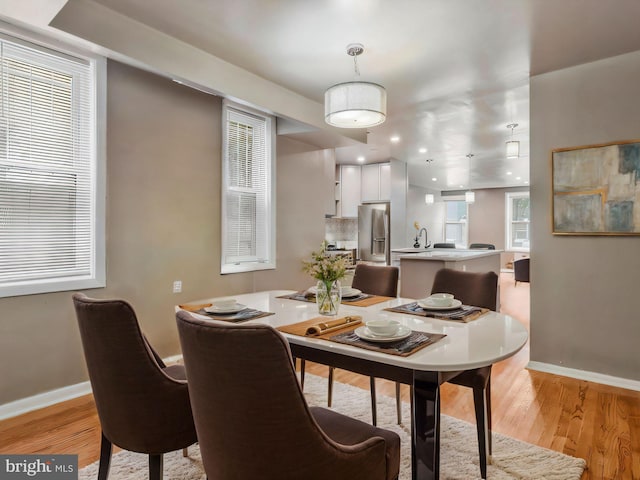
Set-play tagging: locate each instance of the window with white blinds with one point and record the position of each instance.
(248, 207)
(48, 171)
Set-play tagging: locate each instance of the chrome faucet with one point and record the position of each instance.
(426, 238)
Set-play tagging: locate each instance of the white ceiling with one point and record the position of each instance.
(456, 71)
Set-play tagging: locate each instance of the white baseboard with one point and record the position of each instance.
(46, 399)
(41, 400)
(585, 375)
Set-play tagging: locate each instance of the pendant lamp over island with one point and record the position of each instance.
(513, 146)
(469, 197)
(429, 198)
(355, 104)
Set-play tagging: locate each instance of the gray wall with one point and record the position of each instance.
(486, 216)
(163, 224)
(487, 219)
(583, 289)
(430, 217)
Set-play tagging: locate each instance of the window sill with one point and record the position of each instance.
(246, 267)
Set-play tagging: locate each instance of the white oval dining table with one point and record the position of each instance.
(466, 346)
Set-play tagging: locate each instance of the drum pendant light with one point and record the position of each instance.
(513, 146)
(429, 198)
(469, 197)
(355, 104)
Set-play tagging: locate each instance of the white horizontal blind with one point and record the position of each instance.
(246, 192)
(47, 165)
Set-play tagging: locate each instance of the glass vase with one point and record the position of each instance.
(328, 296)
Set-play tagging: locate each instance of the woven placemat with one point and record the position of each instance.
(465, 313)
(322, 327)
(365, 300)
(402, 348)
(362, 300)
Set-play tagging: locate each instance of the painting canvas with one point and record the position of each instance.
(596, 190)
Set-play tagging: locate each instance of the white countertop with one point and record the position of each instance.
(489, 339)
(444, 254)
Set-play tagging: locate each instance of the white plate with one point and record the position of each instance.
(366, 334)
(425, 303)
(348, 292)
(238, 307)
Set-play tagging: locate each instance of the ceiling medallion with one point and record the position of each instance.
(355, 104)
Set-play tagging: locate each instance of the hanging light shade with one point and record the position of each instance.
(470, 197)
(429, 198)
(513, 146)
(355, 104)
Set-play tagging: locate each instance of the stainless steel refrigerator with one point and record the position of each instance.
(373, 232)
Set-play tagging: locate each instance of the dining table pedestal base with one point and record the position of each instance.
(425, 434)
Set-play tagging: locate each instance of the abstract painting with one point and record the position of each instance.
(596, 189)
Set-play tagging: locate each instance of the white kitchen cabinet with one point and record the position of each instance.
(385, 181)
(376, 182)
(349, 190)
(370, 182)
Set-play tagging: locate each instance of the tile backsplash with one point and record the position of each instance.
(342, 231)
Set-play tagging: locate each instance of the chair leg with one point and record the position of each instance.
(155, 467)
(374, 412)
(330, 387)
(185, 452)
(302, 365)
(398, 404)
(411, 399)
(484, 433)
(105, 458)
(487, 400)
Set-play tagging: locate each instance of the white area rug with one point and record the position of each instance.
(512, 459)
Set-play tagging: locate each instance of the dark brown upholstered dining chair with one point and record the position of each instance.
(373, 280)
(444, 245)
(253, 421)
(480, 290)
(482, 246)
(521, 270)
(143, 405)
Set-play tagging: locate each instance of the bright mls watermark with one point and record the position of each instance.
(38, 467)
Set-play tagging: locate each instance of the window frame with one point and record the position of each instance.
(509, 197)
(269, 230)
(465, 223)
(97, 276)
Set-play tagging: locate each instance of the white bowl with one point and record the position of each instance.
(224, 303)
(383, 327)
(440, 299)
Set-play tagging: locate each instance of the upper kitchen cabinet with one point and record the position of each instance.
(376, 182)
(330, 181)
(349, 191)
(371, 183)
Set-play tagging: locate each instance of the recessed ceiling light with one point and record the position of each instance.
(395, 139)
(461, 186)
(526, 182)
(518, 178)
(360, 158)
(423, 150)
(434, 179)
(508, 173)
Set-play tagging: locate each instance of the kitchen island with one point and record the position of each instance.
(417, 270)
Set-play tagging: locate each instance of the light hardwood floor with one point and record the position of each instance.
(598, 423)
